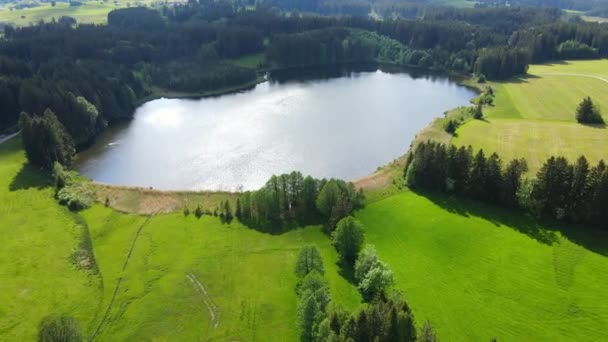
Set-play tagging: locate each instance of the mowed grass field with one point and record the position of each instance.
(478, 272)
(534, 116)
(90, 12)
(181, 278)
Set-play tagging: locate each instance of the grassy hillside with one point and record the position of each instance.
(533, 116)
(480, 273)
(179, 278)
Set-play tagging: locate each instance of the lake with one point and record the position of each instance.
(343, 125)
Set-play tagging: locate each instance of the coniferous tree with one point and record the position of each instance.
(45, 140)
(588, 113)
(477, 177)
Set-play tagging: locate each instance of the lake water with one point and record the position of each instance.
(344, 126)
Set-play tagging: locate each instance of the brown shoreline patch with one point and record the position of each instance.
(146, 201)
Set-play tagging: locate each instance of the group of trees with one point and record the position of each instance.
(437, 167)
(385, 318)
(572, 192)
(313, 293)
(292, 198)
(46, 140)
(373, 277)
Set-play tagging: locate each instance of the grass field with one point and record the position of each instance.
(479, 273)
(90, 12)
(535, 140)
(38, 239)
(533, 116)
(247, 276)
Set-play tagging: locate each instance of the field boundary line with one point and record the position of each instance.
(572, 74)
(109, 308)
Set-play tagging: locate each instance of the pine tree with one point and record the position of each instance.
(238, 211)
(579, 193)
(478, 114)
(478, 176)
(588, 113)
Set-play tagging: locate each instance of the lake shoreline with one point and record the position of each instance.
(384, 176)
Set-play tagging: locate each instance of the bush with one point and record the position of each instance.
(59, 329)
(75, 197)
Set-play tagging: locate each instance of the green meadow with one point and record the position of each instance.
(478, 272)
(166, 277)
(534, 116)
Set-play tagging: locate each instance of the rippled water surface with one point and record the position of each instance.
(343, 127)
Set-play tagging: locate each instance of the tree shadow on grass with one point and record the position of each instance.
(541, 230)
(347, 271)
(30, 177)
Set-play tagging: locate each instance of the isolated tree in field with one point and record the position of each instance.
(588, 113)
(309, 259)
(59, 329)
(348, 239)
(427, 333)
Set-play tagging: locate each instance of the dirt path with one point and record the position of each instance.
(214, 309)
(124, 266)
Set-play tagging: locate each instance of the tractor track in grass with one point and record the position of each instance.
(124, 266)
(214, 309)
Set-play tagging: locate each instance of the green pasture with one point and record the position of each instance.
(534, 116)
(535, 140)
(479, 273)
(247, 276)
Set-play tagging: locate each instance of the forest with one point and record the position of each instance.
(186, 48)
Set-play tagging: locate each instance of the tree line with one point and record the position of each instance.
(384, 318)
(571, 192)
(291, 199)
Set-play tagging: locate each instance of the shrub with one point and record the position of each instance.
(75, 197)
(59, 329)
